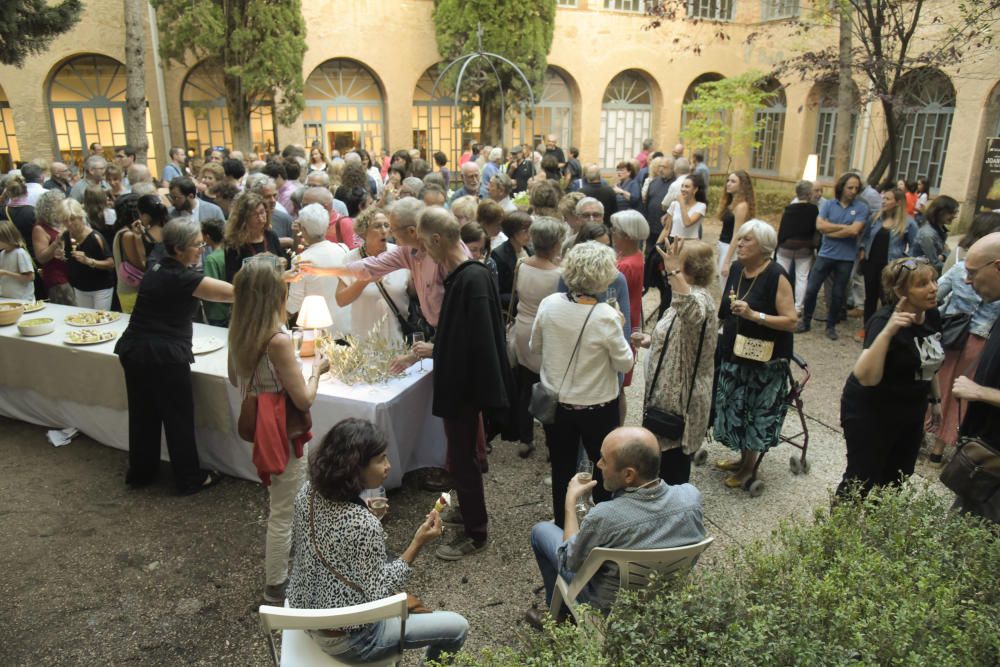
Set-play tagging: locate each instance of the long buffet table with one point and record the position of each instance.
(45, 381)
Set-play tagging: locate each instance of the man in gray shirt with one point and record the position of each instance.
(644, 513)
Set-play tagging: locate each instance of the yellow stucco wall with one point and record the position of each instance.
(395, 40)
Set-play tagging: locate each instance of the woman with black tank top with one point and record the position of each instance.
(248, 233)
(758, 316)
(736, 207)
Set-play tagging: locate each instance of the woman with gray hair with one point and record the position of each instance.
(535, 278)
(155, 353)
(582, 347)
(314, 224)
(374, 302)
(629, 231)
(47, 242)
(758, 315)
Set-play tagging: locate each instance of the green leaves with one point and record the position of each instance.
(28, 26)
(721, 113)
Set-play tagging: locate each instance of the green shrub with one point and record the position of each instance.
(892, 580)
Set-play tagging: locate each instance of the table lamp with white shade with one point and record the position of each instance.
(811, 172)
(314, 314)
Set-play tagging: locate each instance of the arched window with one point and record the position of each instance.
(9, 155)
(824, 98)
(206, 114)
(553, 112)
(344, 108)
(928, 102)
(769, 124)
(87, 104)
(713, 154)
(433, 118)
(626, 118)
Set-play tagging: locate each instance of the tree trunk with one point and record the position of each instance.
(490, 128)
(135, 79)
(237, 102)
(845, 99)
(886, 163)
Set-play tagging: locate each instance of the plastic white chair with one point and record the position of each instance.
(634, 568)
(299, 650)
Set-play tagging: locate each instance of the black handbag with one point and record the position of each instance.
(413, 322)
(973, 473)
(542, 405)
(955, 330)
(664, 423)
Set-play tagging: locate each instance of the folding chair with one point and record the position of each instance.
(299, 650)
(634, 568)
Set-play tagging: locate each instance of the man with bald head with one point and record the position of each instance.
(594, 186)
(982, 418)
(643, 513)
(678, 151)
(58, 178)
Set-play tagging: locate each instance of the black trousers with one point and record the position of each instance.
(871, 269)
(159, 396)
(882, 447)
(525, 421)
(675, 466)
(563, 437)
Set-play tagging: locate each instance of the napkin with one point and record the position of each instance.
(63, 437)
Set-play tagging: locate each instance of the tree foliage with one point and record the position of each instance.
(28, 26)
(721, 113)
(520, 30)
(261, 44)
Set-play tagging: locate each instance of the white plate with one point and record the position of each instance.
(106, 337)
(206, 344)
(85, 319)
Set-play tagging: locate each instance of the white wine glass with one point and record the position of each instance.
(584, 474)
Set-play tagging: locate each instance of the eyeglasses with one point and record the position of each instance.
(379, 225)
(593, 215)
(970, 273)
(909, 264)
(120, 156)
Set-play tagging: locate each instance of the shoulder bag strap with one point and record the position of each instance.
(663, 352)
(385, 295)
(576, 347)
(312, 540)
(697, 360)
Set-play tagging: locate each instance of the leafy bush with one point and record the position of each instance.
(892, 580)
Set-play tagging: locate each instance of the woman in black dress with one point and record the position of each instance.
(155, 353)
(886, 396)
(248, 233)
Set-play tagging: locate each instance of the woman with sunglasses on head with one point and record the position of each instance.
(886, 396)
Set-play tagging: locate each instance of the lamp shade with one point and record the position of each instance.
(811, 172)
(314, 313)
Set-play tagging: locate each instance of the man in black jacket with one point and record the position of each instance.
(594, 187)
(471, 371)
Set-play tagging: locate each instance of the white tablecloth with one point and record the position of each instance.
(46, 382)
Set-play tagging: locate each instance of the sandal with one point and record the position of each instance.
(936, 459)
(729, 464)
(733, 482)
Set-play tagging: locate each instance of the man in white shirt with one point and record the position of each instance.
(681, 169)
(32, 175)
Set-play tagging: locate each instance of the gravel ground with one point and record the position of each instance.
(99, 575)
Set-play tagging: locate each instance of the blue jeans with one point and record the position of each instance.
(823, 267)
(439, 631)
(546, 538)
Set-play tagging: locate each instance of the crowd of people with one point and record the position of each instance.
(525, 283)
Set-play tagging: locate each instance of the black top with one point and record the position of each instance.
(83, 277)
(521, 174)
(53, 184)
(879, 253)
(914, 356)
(159, 331)
(655, 193)
(762, 296)
(603, 193)
(558, 152)
(234, 258)
(471, 370)
(982, 419)
(506, 262)
(728, 222)
(798, 224)
(574, 168)
(23, 218)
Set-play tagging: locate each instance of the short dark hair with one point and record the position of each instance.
(184, 184)
(31, 172)
(233, 168)
(213, 229)
(275, 169)
(698, 156)
(637, 455)
(291, 151)
(515, 222)
(591, 231)
(128, 150)
(574, 151)
(292, 169)
(627, 166)
(226, 190)
(353, 198)
(440, 159)
(335, 465)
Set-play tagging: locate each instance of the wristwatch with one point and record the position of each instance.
(762, 317)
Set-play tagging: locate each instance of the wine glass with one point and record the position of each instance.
(612, 299)
(297, 334)
(418, 337)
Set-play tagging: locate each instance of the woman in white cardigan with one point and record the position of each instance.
(587, 381)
